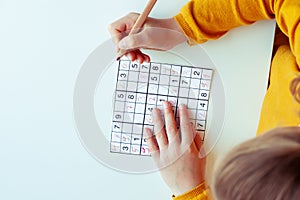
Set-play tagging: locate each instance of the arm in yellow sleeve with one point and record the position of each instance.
(287, 13)
(202, 20)
(198, 193)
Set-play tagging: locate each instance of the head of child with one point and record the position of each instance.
(266, 167)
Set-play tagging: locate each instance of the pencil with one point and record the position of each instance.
(139, 23)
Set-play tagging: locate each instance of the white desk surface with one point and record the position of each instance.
(43, 45)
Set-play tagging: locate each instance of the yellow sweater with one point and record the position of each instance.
(203, 20)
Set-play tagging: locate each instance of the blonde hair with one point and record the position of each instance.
(266, 167)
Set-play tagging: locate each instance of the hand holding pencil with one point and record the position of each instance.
(134, 32)
(139, 23)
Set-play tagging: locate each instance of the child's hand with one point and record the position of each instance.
(180, 157)
(157, 34)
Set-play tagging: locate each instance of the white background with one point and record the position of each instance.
(43, 44)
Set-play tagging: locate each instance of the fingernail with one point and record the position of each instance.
(147, 59)
(155, 111)
(146, 132)
(140, 60)
(165, 104)
(129, 56)
(182, 106)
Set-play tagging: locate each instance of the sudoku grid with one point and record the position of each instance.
(142, 87)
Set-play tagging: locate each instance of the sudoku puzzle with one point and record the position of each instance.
(142, 87)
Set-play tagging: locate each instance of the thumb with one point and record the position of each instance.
(131, 42)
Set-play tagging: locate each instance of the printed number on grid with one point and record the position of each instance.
(142, 87)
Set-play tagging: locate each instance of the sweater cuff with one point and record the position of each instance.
(197, 193)
(187, 30)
